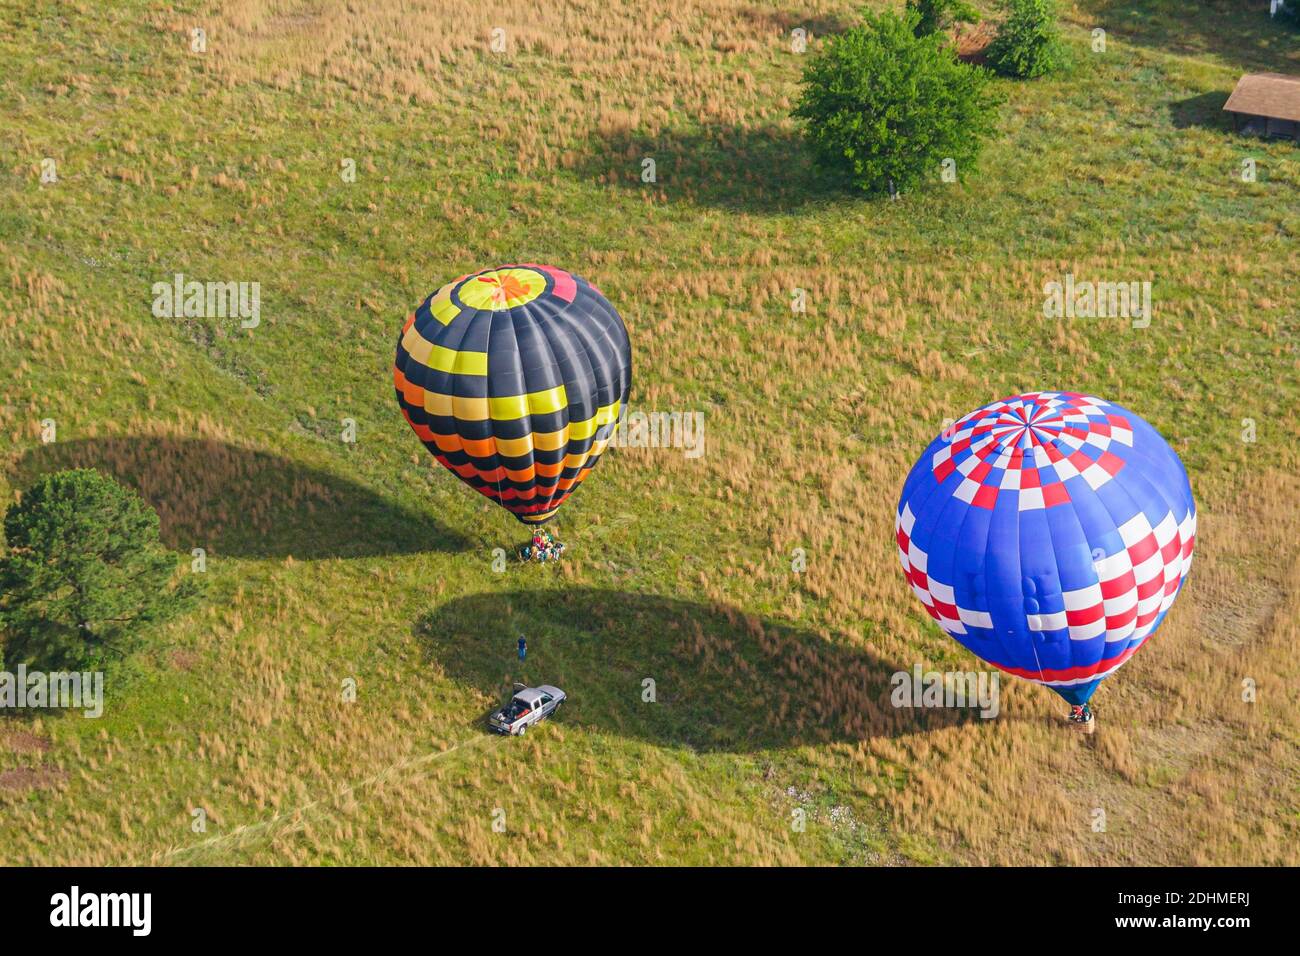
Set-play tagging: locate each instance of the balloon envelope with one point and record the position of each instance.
(1049, 534)
(514, 379)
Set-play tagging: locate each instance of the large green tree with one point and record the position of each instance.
(887, 107)
(83, 570)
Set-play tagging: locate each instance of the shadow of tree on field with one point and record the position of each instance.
(783, 22)
(761, 170)
(723, 680)
(1239, 33)
(1204, 110)
(243, 502)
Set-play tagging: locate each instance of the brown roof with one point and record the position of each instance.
(1266, 94)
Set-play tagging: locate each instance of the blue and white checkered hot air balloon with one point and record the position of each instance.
(1049, 534)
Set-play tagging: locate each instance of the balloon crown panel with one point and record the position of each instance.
(1048, 533)
(514, 379)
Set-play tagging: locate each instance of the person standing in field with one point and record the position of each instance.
(523, 649)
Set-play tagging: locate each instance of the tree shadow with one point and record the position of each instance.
(783, 22)
(1204, 110)
(243, 502)
(1240, 33)
(723, 680)
(758, 170)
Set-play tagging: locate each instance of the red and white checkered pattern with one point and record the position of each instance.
(1007, 446)
(938, 598)
(1134, 586)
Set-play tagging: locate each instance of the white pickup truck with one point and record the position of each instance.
(526, 707)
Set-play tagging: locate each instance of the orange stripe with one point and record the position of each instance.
(479, 447)
(412, 394)
(468, 470)
(568, 484)
(426, 434)
(511, 494)
(450, 443)
(497, 475)
(486, 448)
(500, 473)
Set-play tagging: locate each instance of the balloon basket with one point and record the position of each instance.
(543, 548)
(1083, 727)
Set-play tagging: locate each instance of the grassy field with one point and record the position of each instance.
(330, 560)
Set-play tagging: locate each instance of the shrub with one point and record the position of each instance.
(887, 107)
(84, 568)
(1028, 43)
(938, 15)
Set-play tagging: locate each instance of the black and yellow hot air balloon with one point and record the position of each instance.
(514, 378)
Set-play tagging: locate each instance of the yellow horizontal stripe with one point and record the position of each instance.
(456, 406)
(442, 358)
(416, 345)
(538, 441)
(580, 430)
(459, 363)
(537, 403)
(549, 441)
(577, 461)
(510, 407)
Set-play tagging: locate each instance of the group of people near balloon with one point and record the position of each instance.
(1048, 532)
(544, 547)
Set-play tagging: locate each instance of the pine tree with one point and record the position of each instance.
(84, 570)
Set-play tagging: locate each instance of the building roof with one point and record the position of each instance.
(1266, 94)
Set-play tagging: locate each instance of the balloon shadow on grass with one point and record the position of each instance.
(243, 502)
(722, 680)
(754, 170)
